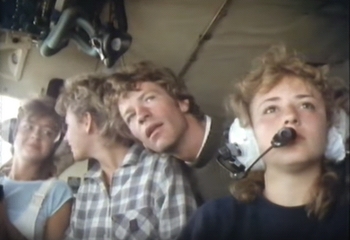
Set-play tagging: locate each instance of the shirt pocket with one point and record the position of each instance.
(136, 224)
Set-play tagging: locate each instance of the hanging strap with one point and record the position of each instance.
(26, 223)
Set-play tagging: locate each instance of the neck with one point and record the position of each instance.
(290, 189)
(189, 145)
(110, 157)
(22, 170)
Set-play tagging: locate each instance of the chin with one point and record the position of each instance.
(77, 158)
(298, 163)
(156, 149)
(160, 149)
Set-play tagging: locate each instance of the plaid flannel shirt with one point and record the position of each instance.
(150, 198)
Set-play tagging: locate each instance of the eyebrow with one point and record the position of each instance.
(274, 99)
(300, 96)
(145, 93)
(139, 98)
(129, 109)
(53, 126)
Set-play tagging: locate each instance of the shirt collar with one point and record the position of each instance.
(206, 134)
(131, 158)
(94, 171)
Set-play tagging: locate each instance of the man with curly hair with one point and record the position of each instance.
(159, 111)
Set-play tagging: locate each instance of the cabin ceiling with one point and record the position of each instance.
(167, 31)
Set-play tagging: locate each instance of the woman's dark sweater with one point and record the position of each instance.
(228, 218)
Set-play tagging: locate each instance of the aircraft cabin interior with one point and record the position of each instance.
(210, 44)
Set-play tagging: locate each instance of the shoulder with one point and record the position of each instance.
(170, 166)
(139, 156)
(160, 161)
(161, 169)
(337, 221)
(169, 173)
(60, 191)
(213, 220)
(219, 211)
(59, 194)
(340, 210)
(222, 206)
(60, 186)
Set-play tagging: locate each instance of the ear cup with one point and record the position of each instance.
(245, 140)
(337, 136)
(13, 130)
(8, 130)
(342, 124)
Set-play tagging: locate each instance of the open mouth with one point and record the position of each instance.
(151, 129)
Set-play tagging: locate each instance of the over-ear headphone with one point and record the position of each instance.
(241, 150)
(8, 130)
(337, 136)
(244, 140)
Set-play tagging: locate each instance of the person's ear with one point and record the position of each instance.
(87, 122)
(184, 105)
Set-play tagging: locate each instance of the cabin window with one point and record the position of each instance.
(8, 109)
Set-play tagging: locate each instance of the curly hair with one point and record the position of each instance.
(127, 78)
(86, 93)
(268, 71)
(271, 68)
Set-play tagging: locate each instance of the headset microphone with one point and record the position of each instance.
(283, 137)
(228, 154)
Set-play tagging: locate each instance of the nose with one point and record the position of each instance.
(291, 117)
(143, 114)
(36, 133)
(65, 137)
